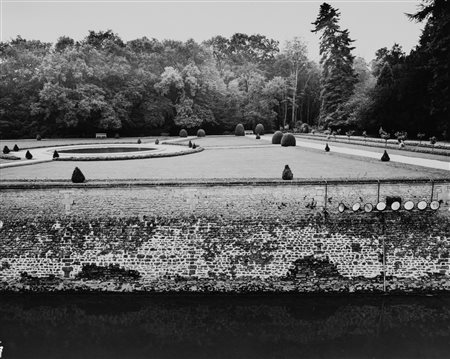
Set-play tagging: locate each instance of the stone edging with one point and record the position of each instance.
(118, 183)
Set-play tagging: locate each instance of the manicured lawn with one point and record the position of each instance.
(245, 157)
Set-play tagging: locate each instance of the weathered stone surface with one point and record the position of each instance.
(224, 238)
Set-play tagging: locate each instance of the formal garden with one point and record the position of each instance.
(245, 154)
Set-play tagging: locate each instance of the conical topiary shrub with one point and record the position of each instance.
(190, 144)
(276, 138)
(55, 154)
(259, 129)
(201, 133)
(16, 148)
(6, 150)
(385, 157)
(28, 155)
(239, 130)
(327, 148)
(139, 141)
(287, 174)
(194, 146)
(288, 139)
(78, 176)
(183, 133)
(156, 142)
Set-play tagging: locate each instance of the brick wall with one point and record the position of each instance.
(263, 236)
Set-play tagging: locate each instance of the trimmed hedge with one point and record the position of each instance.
(183, 133)
(201, 133)
(78, 176)
(288, 139)
(6, 150)
(287, 174)
(239, 130)
(16, 148)
(276, 138)
(259, 129)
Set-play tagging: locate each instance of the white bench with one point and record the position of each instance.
(100, 135)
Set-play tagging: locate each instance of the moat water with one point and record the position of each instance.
(226, 326)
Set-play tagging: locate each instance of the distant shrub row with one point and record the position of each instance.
(286, 139)
(200, 133)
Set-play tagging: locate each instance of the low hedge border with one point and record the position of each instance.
(135, 157)
(442, 150)
(9, 157)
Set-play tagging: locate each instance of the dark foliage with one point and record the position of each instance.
(116, 136)
(276, 138)
(288, 139)
(239, 130)
(139, 141)
(327, 148)
(287, 174)
(190, 144)
(201, 133)
(259, 129)
(38, 137)
(183, 133)
(385, 157)
(78, 176)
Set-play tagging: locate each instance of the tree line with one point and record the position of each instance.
(146, 86)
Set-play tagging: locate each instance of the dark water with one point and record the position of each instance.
(106, 149)
(138, 326)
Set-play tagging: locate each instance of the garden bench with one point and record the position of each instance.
(100, 135)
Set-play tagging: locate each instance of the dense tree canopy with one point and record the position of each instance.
(146, 86)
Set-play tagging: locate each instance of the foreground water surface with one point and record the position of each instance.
(144, 326)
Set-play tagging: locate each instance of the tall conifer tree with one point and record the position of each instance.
(338, 77)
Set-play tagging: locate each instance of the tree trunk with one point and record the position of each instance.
(294, 94)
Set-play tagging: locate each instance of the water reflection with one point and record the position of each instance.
(121, 326)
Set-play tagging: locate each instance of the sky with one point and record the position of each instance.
(372, 24)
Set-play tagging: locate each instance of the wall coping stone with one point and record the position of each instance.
(123, 183)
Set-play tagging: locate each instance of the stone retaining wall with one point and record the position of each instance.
(238, 237)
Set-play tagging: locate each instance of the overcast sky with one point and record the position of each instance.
(373, 24)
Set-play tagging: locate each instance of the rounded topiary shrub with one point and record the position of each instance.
(276, 138)
(28, 155)
(16, 148)
(6, 150)
(139, 141)
(239, 130)
(259, 129)
(288, 139)
(55, 154)
(201, 133)
(78, 176)
(183, 133)
(38, 137)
